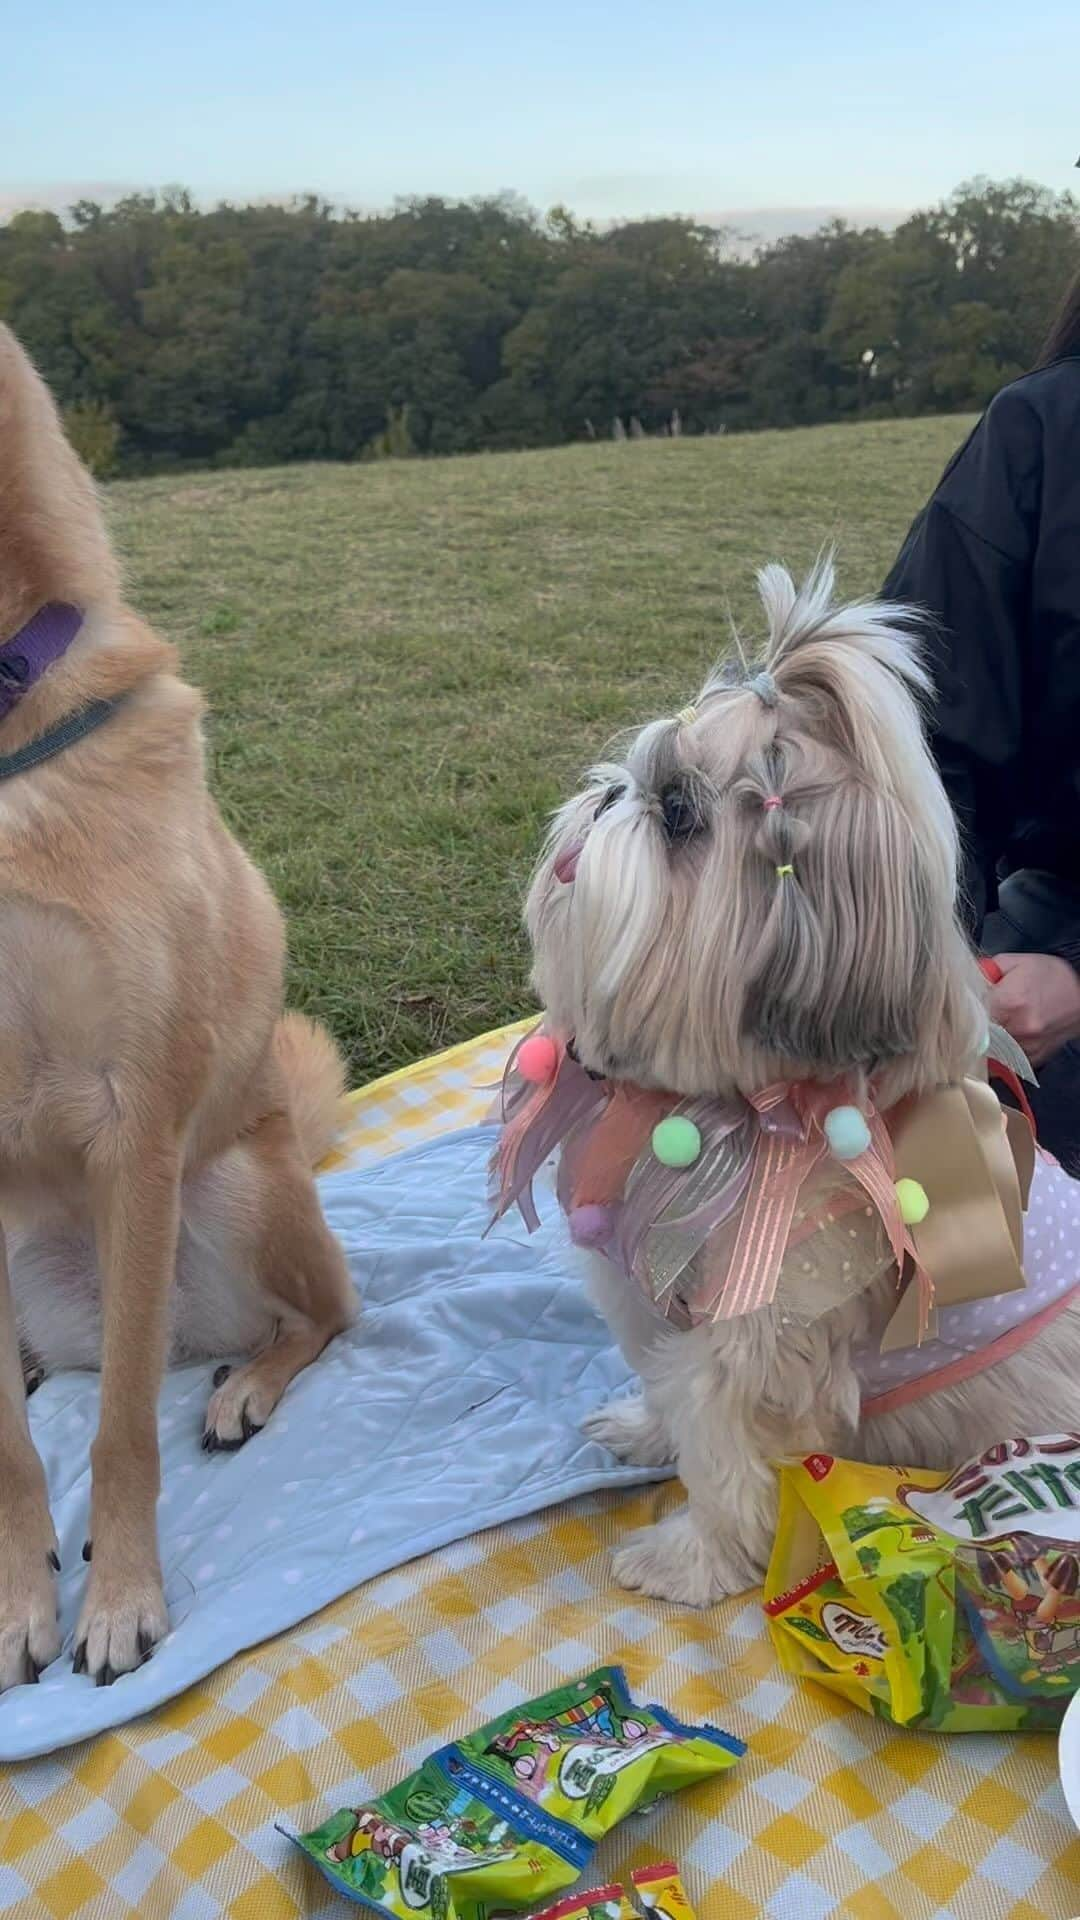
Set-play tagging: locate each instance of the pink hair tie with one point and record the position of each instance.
(770, 805)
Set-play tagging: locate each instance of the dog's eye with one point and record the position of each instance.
(609, 799)
(681, 811)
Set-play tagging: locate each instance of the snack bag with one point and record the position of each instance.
(661, 1892)
(595, 1903)
(507, 1816)
(938, 1600)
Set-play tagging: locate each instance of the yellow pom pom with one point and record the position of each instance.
(913, 1202)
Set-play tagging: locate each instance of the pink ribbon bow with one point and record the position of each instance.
(791, 1142)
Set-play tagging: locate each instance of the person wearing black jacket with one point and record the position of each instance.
(994, 560)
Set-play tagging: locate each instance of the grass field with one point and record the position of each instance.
(408, 663)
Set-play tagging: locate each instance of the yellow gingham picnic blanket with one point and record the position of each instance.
(830, 1812)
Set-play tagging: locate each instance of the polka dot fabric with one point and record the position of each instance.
(455, 1402)
(1052, 1266)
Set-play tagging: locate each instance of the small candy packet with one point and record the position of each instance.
(661, 1892)
(595, 1903)
(507, 1816)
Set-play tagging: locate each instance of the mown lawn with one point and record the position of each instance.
(408, 663)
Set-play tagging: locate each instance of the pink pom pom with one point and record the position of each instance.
(537, 1058)
(590, 1225)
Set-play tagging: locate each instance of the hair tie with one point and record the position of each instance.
(765, 687)
(770, 805)
(784, 873)
(687, 717)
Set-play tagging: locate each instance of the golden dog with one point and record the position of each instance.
(158, 1119)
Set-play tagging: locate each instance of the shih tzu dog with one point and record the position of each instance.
(760, 1009)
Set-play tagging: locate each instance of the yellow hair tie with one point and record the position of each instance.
(783, 872)
(687, 717)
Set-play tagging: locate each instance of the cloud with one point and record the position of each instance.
(772, 223)
(755, 227)
(604, 197)
(56, 196)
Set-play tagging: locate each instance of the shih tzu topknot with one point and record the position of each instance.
(766, 890)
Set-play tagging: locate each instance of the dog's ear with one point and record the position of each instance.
(854, 957)
(837, 975)
(53, 543)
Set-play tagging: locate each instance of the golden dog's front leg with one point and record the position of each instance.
(29, 1638)
(136, 1215)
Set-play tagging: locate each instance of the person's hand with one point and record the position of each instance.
(1037, 1001)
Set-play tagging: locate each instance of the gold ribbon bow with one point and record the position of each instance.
(975, 1159)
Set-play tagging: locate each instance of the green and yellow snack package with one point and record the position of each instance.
(593, 1903)
(504, 1818)
(937, 1600)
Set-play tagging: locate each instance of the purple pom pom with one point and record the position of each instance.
(590, 1226)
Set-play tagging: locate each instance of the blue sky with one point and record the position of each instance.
(616, 106)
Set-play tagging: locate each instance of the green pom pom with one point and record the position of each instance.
(913, 1202)
(846, 1132)
(676, 1141)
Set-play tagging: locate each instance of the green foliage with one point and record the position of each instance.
(395, 442)
(94, 435)
(248, 336)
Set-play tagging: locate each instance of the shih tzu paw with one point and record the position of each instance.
(630, 1430)
(672, 1561)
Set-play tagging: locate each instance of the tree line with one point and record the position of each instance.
(249, 335)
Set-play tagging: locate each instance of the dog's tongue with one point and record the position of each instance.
(566, 862)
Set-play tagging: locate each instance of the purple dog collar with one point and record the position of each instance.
(43, 641)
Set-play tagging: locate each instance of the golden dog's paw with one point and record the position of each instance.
(239, 1408)
(121, 1623)
(29, 1634)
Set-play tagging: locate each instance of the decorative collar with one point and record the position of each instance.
(24, 660)
(654, 1182)
(36, 647)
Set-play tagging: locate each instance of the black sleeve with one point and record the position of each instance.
(1067, 947)
(966, 564)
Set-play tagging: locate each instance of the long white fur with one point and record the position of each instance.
(640, 960)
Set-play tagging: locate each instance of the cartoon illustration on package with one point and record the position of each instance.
(594, 1731)
(505, 1817)
(1024, 1607)
(943, 1600)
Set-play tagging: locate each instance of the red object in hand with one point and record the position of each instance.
(991, 970)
